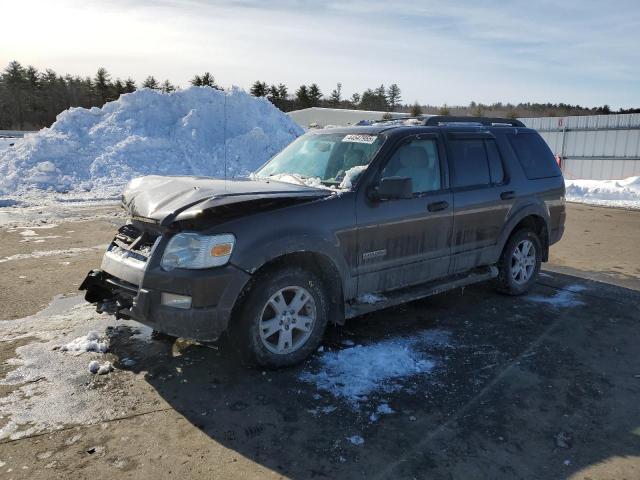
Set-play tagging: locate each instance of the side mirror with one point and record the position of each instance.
(392, 188)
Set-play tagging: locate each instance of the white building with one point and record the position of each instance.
(322, 117)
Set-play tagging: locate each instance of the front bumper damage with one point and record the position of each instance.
(130, 285)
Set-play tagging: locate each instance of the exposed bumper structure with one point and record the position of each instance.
(131, 286)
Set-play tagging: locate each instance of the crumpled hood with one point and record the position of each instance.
(165, 199)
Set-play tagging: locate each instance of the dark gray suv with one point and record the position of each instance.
(340, 223)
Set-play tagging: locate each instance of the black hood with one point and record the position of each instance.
(166, 199)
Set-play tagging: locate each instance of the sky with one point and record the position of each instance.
(574, 51)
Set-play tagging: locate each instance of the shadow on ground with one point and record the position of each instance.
(526, 389)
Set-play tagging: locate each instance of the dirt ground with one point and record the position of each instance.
(544, 386)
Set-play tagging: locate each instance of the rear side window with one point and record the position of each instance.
(470, 162)
(534, 155)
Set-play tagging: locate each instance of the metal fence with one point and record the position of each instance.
(12, 133)
(598, 147)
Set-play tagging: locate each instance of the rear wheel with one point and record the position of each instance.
(519, 263)
(282, 318)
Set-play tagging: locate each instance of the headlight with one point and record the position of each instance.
(192, 250)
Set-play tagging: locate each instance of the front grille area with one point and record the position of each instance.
(132, 242)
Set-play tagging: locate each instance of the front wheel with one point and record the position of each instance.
(519, 263)
(282, 318)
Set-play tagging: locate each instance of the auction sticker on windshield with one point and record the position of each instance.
(369, 139)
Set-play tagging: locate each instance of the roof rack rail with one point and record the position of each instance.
(487, 121)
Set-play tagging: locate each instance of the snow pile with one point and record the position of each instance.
(91, 342)
(612, 193)
(353, 373)
(93, 153)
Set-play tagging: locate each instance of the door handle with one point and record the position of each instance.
(437, 206)
(508, 195)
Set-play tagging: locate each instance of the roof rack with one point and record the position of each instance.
(486, 121)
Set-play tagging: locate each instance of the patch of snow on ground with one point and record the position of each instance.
(562, 298)
(91, 342)
(382, 409)
(370, 298)
(98, 368)
(50, 387)
(93, 153)
(610, 193)
(51, 253)
(356, 440)
(354, 373)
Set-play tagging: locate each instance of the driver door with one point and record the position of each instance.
(403, 242)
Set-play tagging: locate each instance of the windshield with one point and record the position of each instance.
(330, 159)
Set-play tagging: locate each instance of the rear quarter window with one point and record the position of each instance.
(534, 155)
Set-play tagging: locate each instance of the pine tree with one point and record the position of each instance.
(118, 87)
(33, 93)
(102, 84)
(209, 81)
(129, 85)
(444, 110)
(196, 81)
(14, 79)
(355, 99)
(258, 89)
(393, 96)
(150, 82)
(167, 87)
(416, 110)
(282, 91)
(336, 95)
(302, 97)
(314, 95)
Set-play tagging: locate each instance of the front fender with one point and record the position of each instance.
(259, 251)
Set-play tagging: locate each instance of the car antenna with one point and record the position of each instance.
(224, 138)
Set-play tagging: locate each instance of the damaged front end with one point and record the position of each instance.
(115, 286)
(185, 300)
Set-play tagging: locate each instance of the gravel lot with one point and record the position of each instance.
(543, 386)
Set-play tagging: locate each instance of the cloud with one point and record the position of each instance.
(453, 52)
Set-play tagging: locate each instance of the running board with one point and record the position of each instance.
(398, 297)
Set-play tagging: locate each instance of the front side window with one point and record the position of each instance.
(417, 160)
(330, 159)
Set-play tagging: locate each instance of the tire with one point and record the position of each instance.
(518, 270)
(267, 334)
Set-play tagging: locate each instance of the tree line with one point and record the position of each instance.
(386, 99)
(31, 99)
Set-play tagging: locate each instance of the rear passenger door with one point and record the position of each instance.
(403, 242)
(482, 197)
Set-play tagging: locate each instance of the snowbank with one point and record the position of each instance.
(94, 153)
(611, 193)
